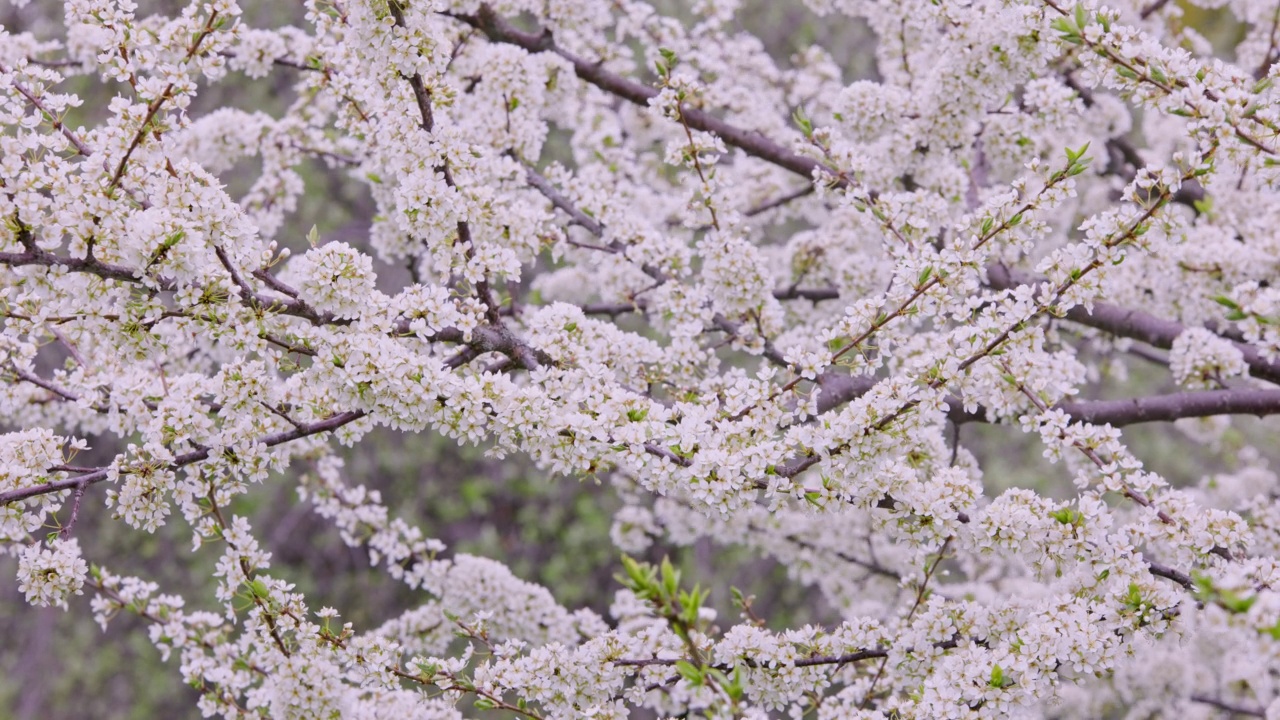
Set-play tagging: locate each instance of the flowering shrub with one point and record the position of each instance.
(756, 298)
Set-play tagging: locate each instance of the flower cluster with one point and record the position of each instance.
(49, 574)
(1199, 358)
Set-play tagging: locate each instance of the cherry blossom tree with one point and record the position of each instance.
(757, 299)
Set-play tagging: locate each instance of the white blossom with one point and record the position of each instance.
(49, 573)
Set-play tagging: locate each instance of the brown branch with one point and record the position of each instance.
(58, 125)
(562, 203)
(838, 389)
(1088, 451)
(593, 226)
(612, 309)
(729, 327)
(274, 282)
(44, 258)
(499, 29)
(810, 294)
(1228, 707)
(280, 61)
(872, 567)
(929, 570)
(811, 661)
(779, 201)
(99, 474)
(246, 292)
(1121, 152)
(1169, 573)
(1133, 324)
(1153, 8)
(488, 338)
(422, 96)
(153, 108)
(76, 497)
(1175, 406)
(93, 266)
(733, 329)
(1269, 57)
(58, 391)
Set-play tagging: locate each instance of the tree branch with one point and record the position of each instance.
(499, 29)
(1228, 707)
(1175, 406)
(838, 389)
(1133, 324)
(99, 474)
(58, 125)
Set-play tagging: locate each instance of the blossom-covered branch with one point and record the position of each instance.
(758, 303)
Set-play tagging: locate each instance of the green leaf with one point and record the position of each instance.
(1133, 597)
(1064, 26)
(997, 677)
(734, 687)
(259, 588)
(1203, 583)
(670, 577)
(1234, 603)
(636, 575)
(1074, 155)
(667, 63)
(1067, 516)
(719, 677)
(803, 122)
(689, 672)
